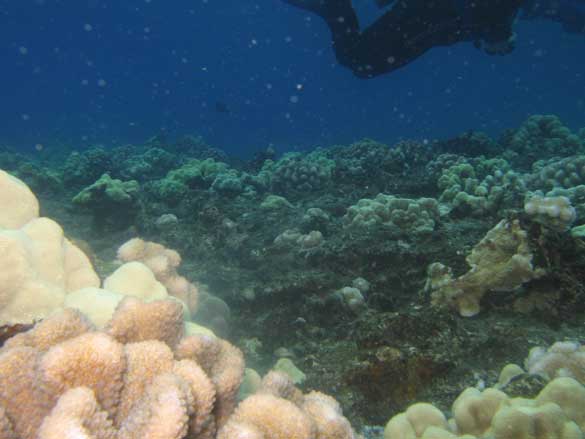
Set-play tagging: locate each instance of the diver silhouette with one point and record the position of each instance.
(409, 28)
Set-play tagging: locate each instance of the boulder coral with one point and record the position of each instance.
(399, 216)
(64, 377)
(141, 377)
(163, 262)
(556, 213)
(39, 266)
(555, 413)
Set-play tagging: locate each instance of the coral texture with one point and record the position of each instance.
(555, 413)
(141, 377)
(164, 263)
(501, 261)
(64, 377)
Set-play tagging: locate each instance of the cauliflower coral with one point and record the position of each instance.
(140, 377)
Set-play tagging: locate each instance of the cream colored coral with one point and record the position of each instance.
(134, 378)
(38, 267)
(19, 204)
(64, 325)
(96, 303)
(222, 362)
(556, 213)
(91, 360)
(77, 415)
(556, 413)
(414, 422)
(163, 411)
(569, 395)
(501, 261)
(136, 321)
(135, 279)
(6, 430)
(164, 263)
(73, 385)
(20, 398)
(327, 417)
(473, 410)
(270, 416)
(561, 359)
(281, 385)
(127, 382)
(542, 422)
(203, 392)
(508, 373)
(145, 360)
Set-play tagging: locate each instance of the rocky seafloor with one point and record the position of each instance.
(322, 257)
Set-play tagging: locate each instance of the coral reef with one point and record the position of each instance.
(320, 257)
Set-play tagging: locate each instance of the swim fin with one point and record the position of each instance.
(323, 8)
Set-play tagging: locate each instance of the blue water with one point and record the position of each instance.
(81, 72)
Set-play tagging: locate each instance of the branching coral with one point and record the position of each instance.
(141, 378)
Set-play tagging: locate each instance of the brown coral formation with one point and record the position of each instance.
(501, 261)
(140, 377)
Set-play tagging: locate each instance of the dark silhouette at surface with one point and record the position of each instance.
(409, 28)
